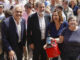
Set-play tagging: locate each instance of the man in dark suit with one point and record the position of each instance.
(14, 34)
(36, 31)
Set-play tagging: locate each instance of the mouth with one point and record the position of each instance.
(73, 24)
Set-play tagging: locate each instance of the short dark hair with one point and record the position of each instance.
(66, 1)
(60, 7)
(28, 5)
(37, 4)
(7, 13)
(72, 17)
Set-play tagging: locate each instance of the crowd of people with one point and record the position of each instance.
(25, 26)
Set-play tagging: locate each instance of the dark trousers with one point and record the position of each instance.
(55, 58)
(2, 56)
(39, 53)
(69, 58)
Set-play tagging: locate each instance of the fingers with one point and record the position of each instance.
(45, 46)
(32, 46)
(11, 57)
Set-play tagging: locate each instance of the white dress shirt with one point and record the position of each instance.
(18, 26)
(42, 26)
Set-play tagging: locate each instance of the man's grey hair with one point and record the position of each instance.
(17, 6)
(40, 3)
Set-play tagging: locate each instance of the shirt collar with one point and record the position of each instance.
(16, 21)
(40, 16)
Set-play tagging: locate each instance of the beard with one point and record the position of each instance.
(42, 12)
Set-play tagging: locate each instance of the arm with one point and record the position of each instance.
(61, 37)
(58, 40)
(5, 41)
(29, 31)
(6, 44)
(24, 34)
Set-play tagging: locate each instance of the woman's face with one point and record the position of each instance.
(55, 16)
(72, 23)
(78, 12)
(72, 2)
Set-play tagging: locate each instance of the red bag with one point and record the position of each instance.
(53, 51)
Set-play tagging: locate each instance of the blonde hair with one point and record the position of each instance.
(73, 1)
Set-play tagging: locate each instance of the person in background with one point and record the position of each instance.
(73, 5)
(55, 28)
(36, 7)
(60, 8)
(47, 10)
(67, 10)
(78, 16)
(26, 14)
(71, 39)
(52, 6)
(7, 13)
(2, 16)
(28, 11)
(47, 3)
(23, 2)
(5, 4)
(14, 34)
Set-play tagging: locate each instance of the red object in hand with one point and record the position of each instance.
(53, 51)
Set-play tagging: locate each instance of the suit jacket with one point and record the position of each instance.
(33, 29)
(10, 35)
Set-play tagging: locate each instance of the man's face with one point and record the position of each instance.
(53, 2)
(65, 5)
(17, 13)
(1, 9)
(2, 0)
(41, 8)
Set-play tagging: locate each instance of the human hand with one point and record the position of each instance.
(24, 49)
(11, 55)
(53, 39)
(32, 46)
(45, 46)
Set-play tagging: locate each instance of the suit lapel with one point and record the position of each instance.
(22, 28)
(45, 21)
(14, 26)
(37, 21)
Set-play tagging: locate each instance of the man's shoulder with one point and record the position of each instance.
(6, 20)
(33, 15)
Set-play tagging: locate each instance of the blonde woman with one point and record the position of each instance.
(73, 5)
